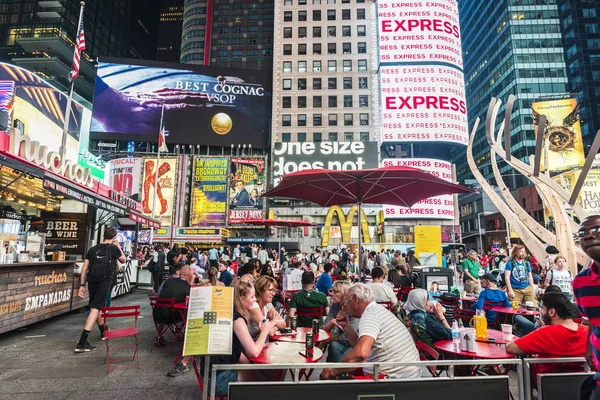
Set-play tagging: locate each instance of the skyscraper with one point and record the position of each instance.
(580, 21)
(196, 32)
(169, 28)
(509, 46)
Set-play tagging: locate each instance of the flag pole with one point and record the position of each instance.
(162, 115)
(63, 143)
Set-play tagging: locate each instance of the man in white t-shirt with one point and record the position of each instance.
(381, 338)
(382, 292)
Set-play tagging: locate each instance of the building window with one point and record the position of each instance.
(360, 13)
(287, 33)
(317, 83)
(301, 15)
(347, 64)
(317, 119)
(317, 137)
(302, 49)
(331, 83)
(346, 14)
(347, 48)
(348, 136)
(286, 102)
(330, 15)
(362, 47)
(317, 50)
(362, 65)
(301, 2)
(287, 16)
(346, 31)
(316, 31)
(301, 101)
(301, 83)
(317, 102)
(331, 31)
(302, 66)
(223, 30)
(316, 1)
(331, 101)
(286, 120)
(287, 2)
(316, 66)
(364, 136)
(302, 137)
(333, 136)
(364, 119)
(302, 32)
(348, 120)
(286, 137)
(348, 101)
(267, 52)
(331, 48)
(316, 15)
(363, 83)
(363, 100)
(221, 53)
(332, 119)
(287, 67)
(287, 84)
(361, 30)
(347, 83)
(287, 49)
(332, 66)
(252, 53)
(301, 119)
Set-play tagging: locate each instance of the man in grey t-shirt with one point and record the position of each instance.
(381, 337)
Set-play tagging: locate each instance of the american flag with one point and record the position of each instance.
(162, 144)
(79, 47)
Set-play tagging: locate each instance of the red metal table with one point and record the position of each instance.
(507, 312)
(485, 351)
(300, 336)
(288, 353)
(467, 302)
(493, 334)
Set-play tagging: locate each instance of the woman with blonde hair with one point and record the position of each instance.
(264, 311)
(340, 343)
(212, 277)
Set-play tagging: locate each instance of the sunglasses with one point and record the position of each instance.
(582, 233)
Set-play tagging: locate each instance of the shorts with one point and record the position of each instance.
(99, 292)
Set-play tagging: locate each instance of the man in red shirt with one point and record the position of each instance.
(559, 337)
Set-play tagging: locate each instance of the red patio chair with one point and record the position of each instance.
(310, 312)
(132, 331)
(465, 316)
(488, 304)
(386, 304)
(167, 303)
(403, 293)
(427, 353)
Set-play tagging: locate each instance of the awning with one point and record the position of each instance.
(144, 220)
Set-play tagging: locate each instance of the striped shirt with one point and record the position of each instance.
(586, 287)
(393, 342)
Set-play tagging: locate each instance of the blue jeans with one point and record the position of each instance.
(337, 351)
(524, 326)
(224, 378)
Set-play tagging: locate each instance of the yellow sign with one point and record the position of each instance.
(209, 327)
(562, 135)
(345, 224)
(428, 245)
(589, 196)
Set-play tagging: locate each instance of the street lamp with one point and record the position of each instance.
(479, 214)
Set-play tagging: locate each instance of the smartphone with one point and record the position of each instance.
(305, 353)
(286, 331)
(491, 340)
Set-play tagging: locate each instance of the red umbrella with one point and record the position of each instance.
(399, 186)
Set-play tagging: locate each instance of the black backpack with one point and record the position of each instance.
(101, 267)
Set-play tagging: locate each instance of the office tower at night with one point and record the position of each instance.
(580, 21)
(509, 47)
(169, 30)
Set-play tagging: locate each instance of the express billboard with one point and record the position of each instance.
(247, 184)
(346, 156)
(438, 207)
(209, 191)
(203, 105)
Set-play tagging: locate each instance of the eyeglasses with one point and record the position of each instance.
(582, 233)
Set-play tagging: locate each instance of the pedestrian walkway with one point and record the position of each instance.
(38, 363)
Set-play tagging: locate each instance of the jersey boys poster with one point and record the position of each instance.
(246, 184)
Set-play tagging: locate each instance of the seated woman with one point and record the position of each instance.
(425, 326)
(339, 344)
(263, 311)
(212, 274)
(267, 270)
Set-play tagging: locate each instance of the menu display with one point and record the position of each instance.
(26, 188)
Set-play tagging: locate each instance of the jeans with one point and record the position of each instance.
(524, 326)
(337, 351)
(589, 388)
(224, 378)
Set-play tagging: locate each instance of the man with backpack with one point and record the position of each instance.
(518, 277)
(98, 271)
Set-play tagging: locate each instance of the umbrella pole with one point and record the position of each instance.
(359, 238)
(279, 248)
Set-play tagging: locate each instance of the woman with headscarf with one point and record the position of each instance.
(427, 327)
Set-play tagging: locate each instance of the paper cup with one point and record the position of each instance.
(507, 331)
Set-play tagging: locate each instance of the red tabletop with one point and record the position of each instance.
(286, 353)
(300, 336)
(513, 311)
(482, 350)
(492, 333)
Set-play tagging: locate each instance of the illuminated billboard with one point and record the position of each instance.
(203, 105)
(438, 207)
(246, 184)
(164, 191)
(124, 175)
(209, 191)
(563, 133)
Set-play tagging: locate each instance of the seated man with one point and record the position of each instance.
(559, 337)
(490, 293)
(324, 283)
(382, 292)
(224, 275)
(307, 297)
(381, 337)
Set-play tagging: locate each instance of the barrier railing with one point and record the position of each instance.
(527, 362)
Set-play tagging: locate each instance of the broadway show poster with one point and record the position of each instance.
(209, 191)
(165, 191)
(246, 184)
(563, 133)
(124, 175)
(589, 196)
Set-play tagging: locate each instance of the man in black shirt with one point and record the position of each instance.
(101, 263)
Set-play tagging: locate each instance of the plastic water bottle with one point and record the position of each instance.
(455, 336)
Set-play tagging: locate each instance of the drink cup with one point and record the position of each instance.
(463, 341)
(471, 342)
(507, 331)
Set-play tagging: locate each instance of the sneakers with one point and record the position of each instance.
(85, 348)
(178, 369)
(102, 332)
